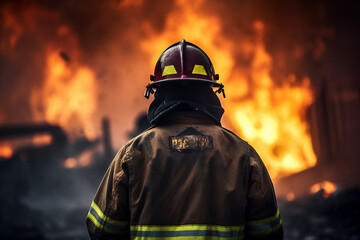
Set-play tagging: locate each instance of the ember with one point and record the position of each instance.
(83, 160)
(70, 163)
(327, 187)
(5, 151)
(290, 196)
(42, 140)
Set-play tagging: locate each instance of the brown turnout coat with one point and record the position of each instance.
(186, 179)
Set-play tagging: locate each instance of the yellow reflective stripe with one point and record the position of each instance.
(265, 220)
(199, 69)
(188, 238)
(185, 228)
(264, 226)
(97, 209)
(95, 222)
(169, 70)
(267, 231)
(102, 227)
(186, 232)
(106, 218)
(117, 222)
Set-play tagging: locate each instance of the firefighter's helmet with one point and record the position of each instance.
(183, 61)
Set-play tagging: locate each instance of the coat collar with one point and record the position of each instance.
(187, 117)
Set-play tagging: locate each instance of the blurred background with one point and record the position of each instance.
(73, 76)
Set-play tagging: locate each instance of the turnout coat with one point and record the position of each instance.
(186, 178)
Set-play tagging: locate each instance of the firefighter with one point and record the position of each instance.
(186, 177)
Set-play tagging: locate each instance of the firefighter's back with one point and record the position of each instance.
(188, 179)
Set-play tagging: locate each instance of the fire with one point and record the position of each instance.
(290, 196)
(271, 116)
(6, 151)
(265, 110)
(194, 27)
(68, 95)
(83, 160)
(42, 140)
(327, 187)
(70, 163)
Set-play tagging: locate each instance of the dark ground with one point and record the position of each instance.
(54, 204)
(316, 218)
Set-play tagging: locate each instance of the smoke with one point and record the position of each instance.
(108, 38)
(47, 45)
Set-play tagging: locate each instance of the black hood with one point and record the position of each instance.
(179, 97)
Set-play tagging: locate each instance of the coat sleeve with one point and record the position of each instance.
(108, 217)
(263, 219)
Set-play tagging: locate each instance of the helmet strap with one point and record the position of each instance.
(149, 90)
(221, 90)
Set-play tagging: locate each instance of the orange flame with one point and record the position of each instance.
(269, 116)
(70, 163)
(42, 140)
(6, 151)
(68, 95)
(194, 27)
(327, 187)
(290, 196)
(260, 109)
(83, 160)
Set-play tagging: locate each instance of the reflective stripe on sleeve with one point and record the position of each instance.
(144, 232)
(264, 226)
(105, 223)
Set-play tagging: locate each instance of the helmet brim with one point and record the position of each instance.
(189, 80)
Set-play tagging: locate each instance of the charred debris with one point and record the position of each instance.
(42, 198)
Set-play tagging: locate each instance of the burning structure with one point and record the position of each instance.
(289, 71)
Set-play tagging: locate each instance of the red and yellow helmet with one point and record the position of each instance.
(183, 61)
